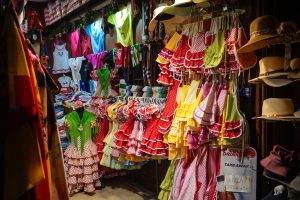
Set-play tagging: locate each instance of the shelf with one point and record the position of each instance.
(90, 5)
(283, 119)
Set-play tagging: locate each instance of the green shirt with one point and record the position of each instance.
(123, 24)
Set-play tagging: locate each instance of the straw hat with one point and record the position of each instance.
(274, 108)
(263, 33)
(271, 68)
(164, 12)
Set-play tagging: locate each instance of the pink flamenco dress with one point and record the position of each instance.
(81, 156)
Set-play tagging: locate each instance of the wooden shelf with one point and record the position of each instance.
(279, 119)
(90, 5)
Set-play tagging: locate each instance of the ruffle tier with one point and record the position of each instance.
(82, 168)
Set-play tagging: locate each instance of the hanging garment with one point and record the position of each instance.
(205, 113)
(233, 118)
(215, 129)
(123, 24)
(194, 56)
(97, 59)
(103, 131)
(112, 156)
(152, 142)
(25, 172)
(103, 82)
(175, 137)
(135, 55)
(96, 34)
(177, 179)
(171, 103)
(177, 60)
(75, 41)
(86, 47)
(215, 52)
(166, 184)
(167, 52)
(60, 59)
(85, 72)
(75, 66)
(43, 189)
(81, 157)
(65, 82)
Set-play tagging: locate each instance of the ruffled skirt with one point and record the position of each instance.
(82, 168)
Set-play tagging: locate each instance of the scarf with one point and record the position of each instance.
(103, 75)
(80, 128)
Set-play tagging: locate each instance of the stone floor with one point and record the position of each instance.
(117, 189)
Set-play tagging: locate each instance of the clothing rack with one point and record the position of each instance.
(148, 100)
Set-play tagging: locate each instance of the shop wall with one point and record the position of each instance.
(268, 134)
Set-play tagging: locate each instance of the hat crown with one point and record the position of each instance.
(263, 25)
(277, 107)
(283, 154)
(295, 64)
(271, 64)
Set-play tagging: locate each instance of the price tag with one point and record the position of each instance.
(237, 183)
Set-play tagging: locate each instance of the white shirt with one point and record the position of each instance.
(64, 81)
(75, 65)
(60, 59)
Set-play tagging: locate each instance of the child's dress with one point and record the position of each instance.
(81, 157)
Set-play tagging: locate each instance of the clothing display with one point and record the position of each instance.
(60, 59)
(123, 25)
(97, 59)
(96, 33)
(75, 66)
(81, 157)
(65, 82)
(168, 105)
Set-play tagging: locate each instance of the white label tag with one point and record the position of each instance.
(237, 183)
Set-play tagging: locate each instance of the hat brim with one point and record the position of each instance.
(289, 185)
(274, 82)
(170, 22)
(270, 76)
(160, 16)
(279, 118)
(259, 42)
(178, 11)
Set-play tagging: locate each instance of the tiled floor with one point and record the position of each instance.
(116, 189)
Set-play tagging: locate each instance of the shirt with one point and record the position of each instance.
(64, 81)
(96, 34)
(123, 24)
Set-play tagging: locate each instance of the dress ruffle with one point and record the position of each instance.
(82, 169)
(166, 54)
